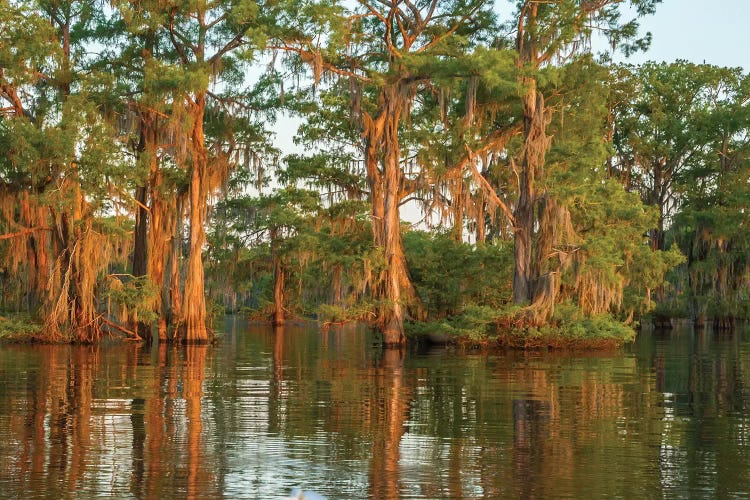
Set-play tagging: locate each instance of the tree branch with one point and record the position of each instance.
(489, 190)
(23, 232)
(309, 55)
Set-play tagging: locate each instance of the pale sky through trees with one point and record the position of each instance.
(714, 31)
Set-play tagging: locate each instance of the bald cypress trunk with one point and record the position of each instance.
(522, 243)
(140, 246)
(279, 279)
(523, 214)
(140, 235)
(140, 253)
(457, 210)
(396, 275)
(279, 282)
(535, 146)
(383, 156)
(193, 315)
(481, 223)
(172, 287)
(37, 249)
(158, 239)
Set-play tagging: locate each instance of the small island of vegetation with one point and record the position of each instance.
(564, 198)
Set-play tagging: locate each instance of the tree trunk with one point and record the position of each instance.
(535, 147)
(155, 230)
(193, 319)
(140, 253)
(31, 215)
(41, 244)
(140, 246)
(174, 301)
(481, 223)
(396, 273)
(522, 249)
(336, 291)
(457, 209)
(399, 292)
(523, 214)
(660, 199)
(385, 179)
(70, 306)
(158, 237)
(279, 279)
(536, 143)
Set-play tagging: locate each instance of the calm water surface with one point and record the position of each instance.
(264, 412)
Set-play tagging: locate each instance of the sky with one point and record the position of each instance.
(712, 31)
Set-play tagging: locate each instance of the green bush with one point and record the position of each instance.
(449, 275)
(361, 311)
(569, 325)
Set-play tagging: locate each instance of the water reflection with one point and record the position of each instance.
(388, 411)
(273, 409)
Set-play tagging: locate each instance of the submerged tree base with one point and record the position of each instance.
(25, 328)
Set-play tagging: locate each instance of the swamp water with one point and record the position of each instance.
(264, 412)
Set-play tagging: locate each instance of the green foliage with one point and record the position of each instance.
(214, 312)
(130, 297)
(681, 139)
(476, 323)
(649, 272)
(449, 275)
(570, 323)
(19, 327)
(639, 157)
(362, 310)
(486, 325)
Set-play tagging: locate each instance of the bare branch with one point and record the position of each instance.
(487, 188)
(309, 55)
(173, 36)
(450, 31)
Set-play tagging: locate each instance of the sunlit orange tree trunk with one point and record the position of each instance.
(387, 179)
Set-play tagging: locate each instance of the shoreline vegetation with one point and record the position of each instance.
(564, 198)
(492, 332)
(14, 330)
(487, 334)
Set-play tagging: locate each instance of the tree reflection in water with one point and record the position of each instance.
(332, 412)
(390, 407)
(192, 390)
(155, 421)
(530, 421)
(81, 408)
